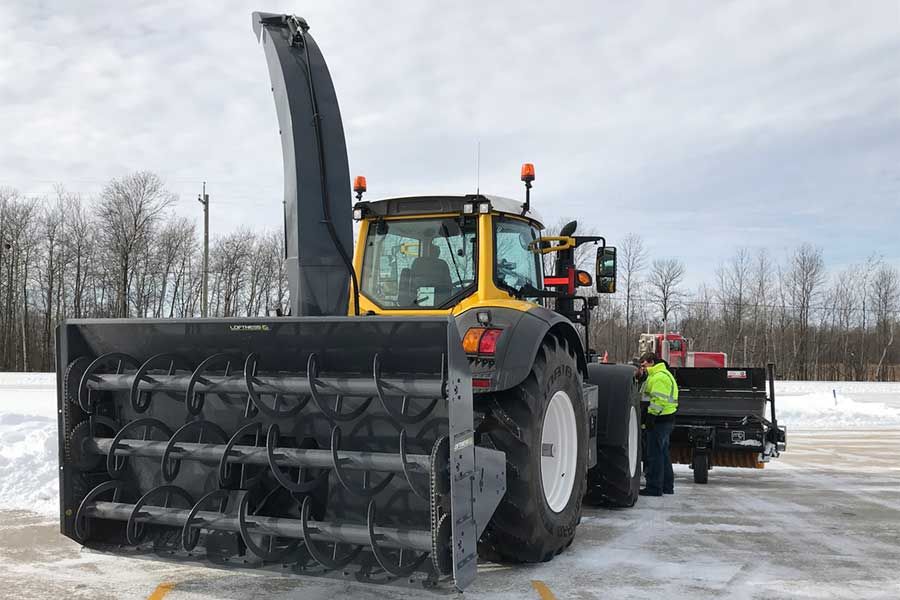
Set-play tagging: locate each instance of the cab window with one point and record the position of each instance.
(517, 264)
(419, 263)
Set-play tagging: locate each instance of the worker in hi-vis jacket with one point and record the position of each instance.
(661, 391)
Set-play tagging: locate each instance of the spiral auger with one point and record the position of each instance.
(312, 449)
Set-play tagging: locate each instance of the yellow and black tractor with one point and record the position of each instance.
(427, 402)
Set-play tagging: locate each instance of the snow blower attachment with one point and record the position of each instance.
(316, 445)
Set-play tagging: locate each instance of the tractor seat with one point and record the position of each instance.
(430, 272)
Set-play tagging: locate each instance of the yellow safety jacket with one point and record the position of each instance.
(661, 390)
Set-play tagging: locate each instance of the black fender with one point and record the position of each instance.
(616, 392)
(517, 347)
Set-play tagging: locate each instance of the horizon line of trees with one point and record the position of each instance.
(124, 253)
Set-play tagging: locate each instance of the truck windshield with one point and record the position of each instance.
(419, 263)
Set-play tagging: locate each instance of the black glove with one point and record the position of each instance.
(649, 421)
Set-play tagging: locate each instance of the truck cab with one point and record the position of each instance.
(673, 348)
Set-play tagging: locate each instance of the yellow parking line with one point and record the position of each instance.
(161, 590)
(543, 591)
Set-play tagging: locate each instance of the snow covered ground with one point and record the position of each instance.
(837, 404)
(29, 459)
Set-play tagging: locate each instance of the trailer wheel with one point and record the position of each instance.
(541, 425)
(616, 479)
(700, 464)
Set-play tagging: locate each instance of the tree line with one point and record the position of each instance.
(121, 254)
(125, 254)
(814, 324)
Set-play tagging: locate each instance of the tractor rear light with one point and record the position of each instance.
(481, 382)
(469, 208)
(472, 340)
(481, 340)
(357, 214)
(484, 208)
(488, 343)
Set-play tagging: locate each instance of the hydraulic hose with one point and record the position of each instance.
(326, 200)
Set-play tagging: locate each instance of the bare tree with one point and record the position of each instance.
(129, 209)
(804, 282)
(732, 294)
(632, 256)
(666, 277)
(885, 292)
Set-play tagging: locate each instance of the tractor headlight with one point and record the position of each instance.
(469, 208)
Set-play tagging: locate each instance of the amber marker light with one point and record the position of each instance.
(527, 172)
(584, 278)
(472, 339)
(359, 186)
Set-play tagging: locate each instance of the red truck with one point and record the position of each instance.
(672, 347)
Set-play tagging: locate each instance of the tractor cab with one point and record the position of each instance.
(444, 254)
(431, 255)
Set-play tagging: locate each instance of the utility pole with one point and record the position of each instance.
(204, 290)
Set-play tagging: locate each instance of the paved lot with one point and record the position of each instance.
(822, 522)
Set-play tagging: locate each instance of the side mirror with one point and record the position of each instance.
(606, 270)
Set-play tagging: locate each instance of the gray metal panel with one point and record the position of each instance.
(462, 464)
(316, 173)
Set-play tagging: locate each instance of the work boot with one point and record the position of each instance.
(646, 492)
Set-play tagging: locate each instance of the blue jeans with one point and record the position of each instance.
(660, 477)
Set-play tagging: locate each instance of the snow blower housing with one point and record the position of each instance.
(340, 434)
(451, 415)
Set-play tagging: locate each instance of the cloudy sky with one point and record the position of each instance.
(705, 126)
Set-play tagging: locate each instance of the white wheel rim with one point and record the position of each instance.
(559, 451)
(632, 441)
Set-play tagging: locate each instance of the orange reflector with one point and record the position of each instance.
(471, 340)
(527, 172)
(584, 278)
(478, 382)
(359, 184)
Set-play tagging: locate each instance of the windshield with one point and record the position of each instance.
(518, 265)
(419, 263)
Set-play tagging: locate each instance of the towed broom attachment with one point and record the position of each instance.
(317, 445)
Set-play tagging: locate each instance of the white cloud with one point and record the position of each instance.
(706, 126)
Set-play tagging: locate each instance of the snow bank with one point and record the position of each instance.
(837, 404)
(29, 469)
(29, 466)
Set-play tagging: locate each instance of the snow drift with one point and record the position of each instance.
(837, 405)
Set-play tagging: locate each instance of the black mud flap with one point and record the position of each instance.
(319, 445)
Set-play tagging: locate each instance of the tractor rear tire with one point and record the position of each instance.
(616, 479)
(700, 464)
(525, 527)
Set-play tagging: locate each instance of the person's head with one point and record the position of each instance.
(648, 359)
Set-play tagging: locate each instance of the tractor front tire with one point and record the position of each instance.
(541, 425)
